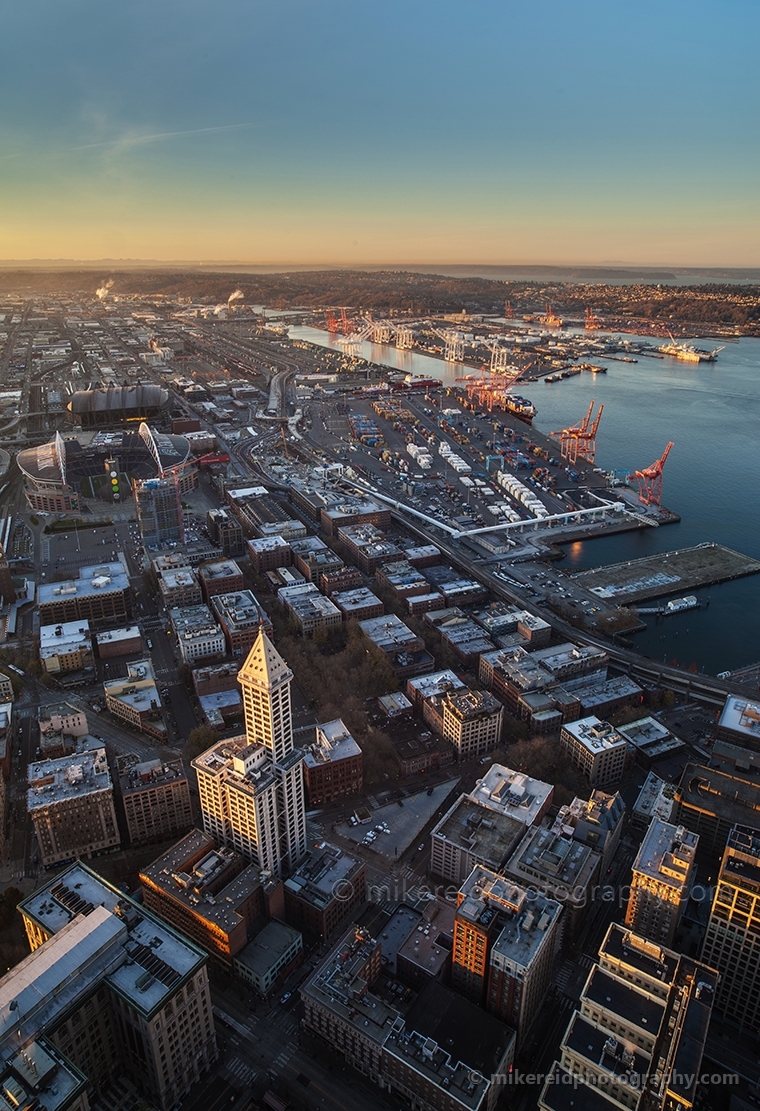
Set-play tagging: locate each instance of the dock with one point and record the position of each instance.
(674, 572)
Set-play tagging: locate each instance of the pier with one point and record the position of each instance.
(667, 573)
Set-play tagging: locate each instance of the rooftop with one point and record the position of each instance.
(103, 578)
(319, 879)
(68, 777)
(305, 600)
(486, 834)
(69, 636)
(741, 716)
(137, 688)
(513, 793)
(636, 1007)
(267, 947)
(113, 636)
(427, 686)
(389, 633)
(429, 944)
(147, 959)
(470, 705)
(240, 610)
(655, 799)
(193, 621)
(563, 867)
(333, 742)
(667, 853)
(596, 736)
(224, 569)
(150, 774)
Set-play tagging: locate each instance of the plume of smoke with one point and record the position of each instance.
(102, 290)
(236, 296)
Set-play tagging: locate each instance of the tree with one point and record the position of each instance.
(199, 739)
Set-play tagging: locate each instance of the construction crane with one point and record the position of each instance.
(593, 323)
(579, 440)
(454, 340)
(649, 479)
(285, 443)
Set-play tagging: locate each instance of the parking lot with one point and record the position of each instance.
(406, 819)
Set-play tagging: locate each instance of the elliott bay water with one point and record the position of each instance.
(711, 412)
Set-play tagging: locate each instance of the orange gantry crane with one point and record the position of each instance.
(593, 323)
(649, 479)
(578, 441)
(332, 323)
(508, 310)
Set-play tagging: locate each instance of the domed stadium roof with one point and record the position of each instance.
(117, 398)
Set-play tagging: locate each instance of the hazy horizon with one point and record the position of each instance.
(371, 133)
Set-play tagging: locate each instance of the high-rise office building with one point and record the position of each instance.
(251, 788)
(663, 872)
(732, 941)
(159, 511)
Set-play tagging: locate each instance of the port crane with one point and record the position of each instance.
(509, 312)
(593, 323)
(649, 479)
(578, 441)
(454, 341)
(550, 318)
(332, 323)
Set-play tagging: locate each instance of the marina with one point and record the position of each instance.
(655, 576)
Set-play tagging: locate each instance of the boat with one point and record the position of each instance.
(680, 605)
(417, 382)
(520, 407)
(688, 353)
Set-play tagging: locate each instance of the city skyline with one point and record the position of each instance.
(287, 135)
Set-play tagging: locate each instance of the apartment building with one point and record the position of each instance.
(472, 722)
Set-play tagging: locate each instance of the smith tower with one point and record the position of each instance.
(265, 681)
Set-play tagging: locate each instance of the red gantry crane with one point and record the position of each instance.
(579, 440)
(650, 479)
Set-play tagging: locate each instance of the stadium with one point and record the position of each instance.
(117, 405)
(59, 474)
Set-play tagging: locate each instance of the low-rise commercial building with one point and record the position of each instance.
(135, 698)
(332, 764)
(240, 614)
(222, 577)
(564, 870)
(358, 605)
(70, 801)
(268, 552)
(269, 958)
(198, 635)
(179, 587)
(310, 611)
(353, 511)
(444, 1054)
(65, 647)
(327, 889)
(403, 649)
(156, 801)
(469, 835)
(210, 894)
(119, 642)
(101, 595)
(313, 558)
(597, 750)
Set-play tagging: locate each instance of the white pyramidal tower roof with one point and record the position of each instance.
(264, 666)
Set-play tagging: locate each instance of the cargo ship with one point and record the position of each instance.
(520, 407)
(688, 353)
(417, 382)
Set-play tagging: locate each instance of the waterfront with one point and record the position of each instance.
(711, 411)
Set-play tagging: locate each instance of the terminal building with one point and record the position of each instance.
(70, 801)
(109, 991)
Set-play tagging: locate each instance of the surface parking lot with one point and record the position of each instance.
(406, 821)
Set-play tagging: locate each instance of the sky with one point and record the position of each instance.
(381, 131)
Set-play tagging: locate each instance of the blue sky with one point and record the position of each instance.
(338, 132)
